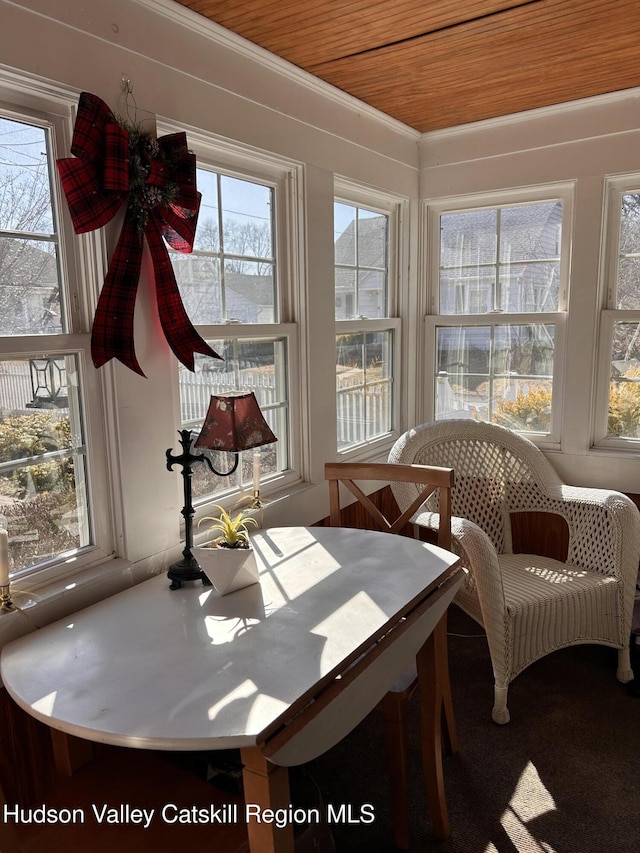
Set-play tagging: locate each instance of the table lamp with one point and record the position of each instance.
(232, 424)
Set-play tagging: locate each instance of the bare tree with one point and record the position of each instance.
(29, 291)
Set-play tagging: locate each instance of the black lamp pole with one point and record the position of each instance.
(189, 569)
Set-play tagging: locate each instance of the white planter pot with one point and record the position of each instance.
(228, 569)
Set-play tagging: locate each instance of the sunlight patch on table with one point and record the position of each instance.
(222, 629)
(285, 582)
(241, 692)
(46, 704)
(265, 707)
(346, 626)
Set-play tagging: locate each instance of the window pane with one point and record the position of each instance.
(29, 277)
(467, 290)
(29, 287)
(246, 218)
(627, 290)
(42, 459)
(372, 239)
(624, 385)
(630, 224)
(361, 257)
(231, 274)
(530, 232)
(344, 215)
(500, 373)
(25, 195)
(345, 283)
(507, 259)
(199, 283)
(249, 365)
(468, 239)
(530, 288)
(364, 380)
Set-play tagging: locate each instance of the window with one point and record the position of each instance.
(45, 475)
(367, 334)
(504, 269)
(234, 286)
(619, 385)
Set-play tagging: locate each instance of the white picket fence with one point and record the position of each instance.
(359, 418)
(196, 390)
(15, 388)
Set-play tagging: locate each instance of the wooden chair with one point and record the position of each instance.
(394, 705)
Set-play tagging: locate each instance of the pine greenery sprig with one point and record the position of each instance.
(144, 197)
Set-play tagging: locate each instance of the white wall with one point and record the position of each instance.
(190, 72)
(580, 143)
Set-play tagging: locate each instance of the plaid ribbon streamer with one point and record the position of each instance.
(96, 184)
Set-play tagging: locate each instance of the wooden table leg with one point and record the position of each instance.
(429, 666)
(266, 786)
(70, 753)
(442, 657)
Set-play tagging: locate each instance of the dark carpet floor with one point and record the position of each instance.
(562, 777)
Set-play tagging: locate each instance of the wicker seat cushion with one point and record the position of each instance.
(577, 605)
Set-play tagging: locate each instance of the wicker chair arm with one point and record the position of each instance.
(604, 530)
(477, 555)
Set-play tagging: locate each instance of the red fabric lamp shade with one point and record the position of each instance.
(233, 424)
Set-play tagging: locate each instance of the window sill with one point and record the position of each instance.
(37, 606)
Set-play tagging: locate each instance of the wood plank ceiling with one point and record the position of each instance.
(438, 63)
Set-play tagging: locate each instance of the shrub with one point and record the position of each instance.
(32, 435)
(530, 411)
(624, 405)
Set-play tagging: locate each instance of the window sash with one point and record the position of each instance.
(557, 321)
(386, 321)
(615, 401)
(500, 202)
(503, 201)
(77, 267)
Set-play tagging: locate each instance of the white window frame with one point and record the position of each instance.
(286, 178)
(82, 268)
(615, 189)
(432, 211)
(395, 207)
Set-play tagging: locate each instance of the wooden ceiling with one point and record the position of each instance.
(438, 63)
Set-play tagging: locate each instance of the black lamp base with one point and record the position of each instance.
(186, 570)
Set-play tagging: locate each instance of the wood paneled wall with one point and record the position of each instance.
(533, 532)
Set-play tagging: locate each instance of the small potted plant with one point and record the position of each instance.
(228, 559)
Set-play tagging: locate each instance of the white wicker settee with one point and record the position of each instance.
(528, 605)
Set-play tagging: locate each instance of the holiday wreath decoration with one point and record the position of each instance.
(117, 163)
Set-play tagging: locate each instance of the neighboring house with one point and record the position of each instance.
(29, 292)
(364, 295)
(468, 260)
(246, 298)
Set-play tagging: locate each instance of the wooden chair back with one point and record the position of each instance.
(427, 478)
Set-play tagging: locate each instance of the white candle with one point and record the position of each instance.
(4, 558)
(256, 470)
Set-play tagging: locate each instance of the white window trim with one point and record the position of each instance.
(396, 208)
(615, 188)
(81, 264)
(432, 211)
(287, 177)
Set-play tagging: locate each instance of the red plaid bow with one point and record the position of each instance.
(96, 182)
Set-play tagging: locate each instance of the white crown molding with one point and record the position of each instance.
(185, 17)
(540, 113)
